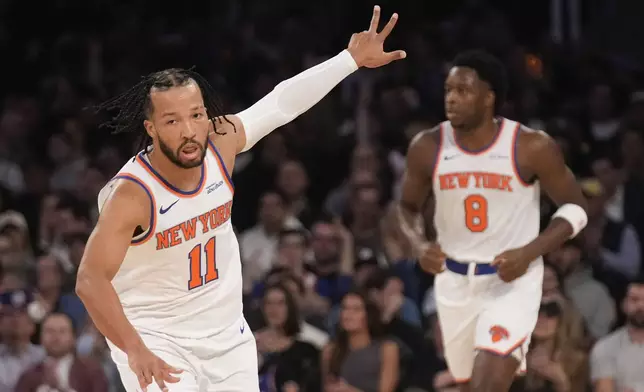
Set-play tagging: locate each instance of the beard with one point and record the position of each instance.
(636, 320)
(173, 156)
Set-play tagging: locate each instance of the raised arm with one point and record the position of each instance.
(298, 94)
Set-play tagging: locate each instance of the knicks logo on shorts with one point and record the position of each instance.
(499, 333)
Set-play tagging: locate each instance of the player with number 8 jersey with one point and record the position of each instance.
(483, 175)
(481, 190)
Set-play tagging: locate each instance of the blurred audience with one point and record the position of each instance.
(315, 201)
(61, 370)
(616, 360)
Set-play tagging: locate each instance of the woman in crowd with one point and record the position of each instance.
(285, 363)
(359, 359)
(556, 361)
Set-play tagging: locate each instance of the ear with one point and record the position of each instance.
(149, 128)
(490, 97)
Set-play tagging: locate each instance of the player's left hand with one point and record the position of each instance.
(512, 264)
(367, 47)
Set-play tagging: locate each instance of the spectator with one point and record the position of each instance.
(339, 199)
(12, 279)
(258, 244)
(70, 163)
(61, 370)
(616, 360)
(359, 357)
(92, 344)
(589, 296)
(611, 240)
(17, 354)
(293, 182)
(14, 226)
(50, 294)
(365, 214)
(333, 250)
(284, 359)
(554, 362)
(310, 330)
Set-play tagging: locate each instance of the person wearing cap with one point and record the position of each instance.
(611, 244)
(17, 354)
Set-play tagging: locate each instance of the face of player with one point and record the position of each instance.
(634, 305)
(467, 98)
(275, 309)
(179, 125)
(353, 316)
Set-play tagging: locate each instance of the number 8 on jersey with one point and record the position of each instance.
(476, 213)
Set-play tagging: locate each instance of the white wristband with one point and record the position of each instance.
(294, 96)
(573, 214)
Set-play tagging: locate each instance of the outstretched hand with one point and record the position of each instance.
(367, 47)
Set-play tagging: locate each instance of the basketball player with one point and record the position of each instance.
(484, 175)
(161, 274)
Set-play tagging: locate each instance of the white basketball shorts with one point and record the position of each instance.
(226, 362)
(481, 312)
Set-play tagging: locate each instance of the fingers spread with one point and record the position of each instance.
(389, 27)
(375, 19)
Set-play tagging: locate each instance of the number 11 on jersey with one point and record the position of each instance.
(196, 278)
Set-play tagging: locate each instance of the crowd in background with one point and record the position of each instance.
(331, 289)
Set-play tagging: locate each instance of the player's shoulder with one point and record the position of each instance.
(533, 136)
(227, 130)
(535, 141)
(427, 140)
(125, 196)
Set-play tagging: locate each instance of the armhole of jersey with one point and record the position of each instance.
(515, 162)
(222, 166)
(439, 148)
(146, 234)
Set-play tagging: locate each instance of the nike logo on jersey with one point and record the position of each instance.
(164, 210)
(242, 328)
(449, 157)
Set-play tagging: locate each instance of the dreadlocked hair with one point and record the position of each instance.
(133, 106)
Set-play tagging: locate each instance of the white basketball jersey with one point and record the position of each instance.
(483, 207)
(182, 277)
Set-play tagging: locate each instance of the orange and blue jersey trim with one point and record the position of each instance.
(153, 207)
(515, 162)
(501, 353)
(222, 166)
(169, 187)
(497, 137)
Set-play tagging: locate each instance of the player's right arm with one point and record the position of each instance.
(127, 208)
(416, 191)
